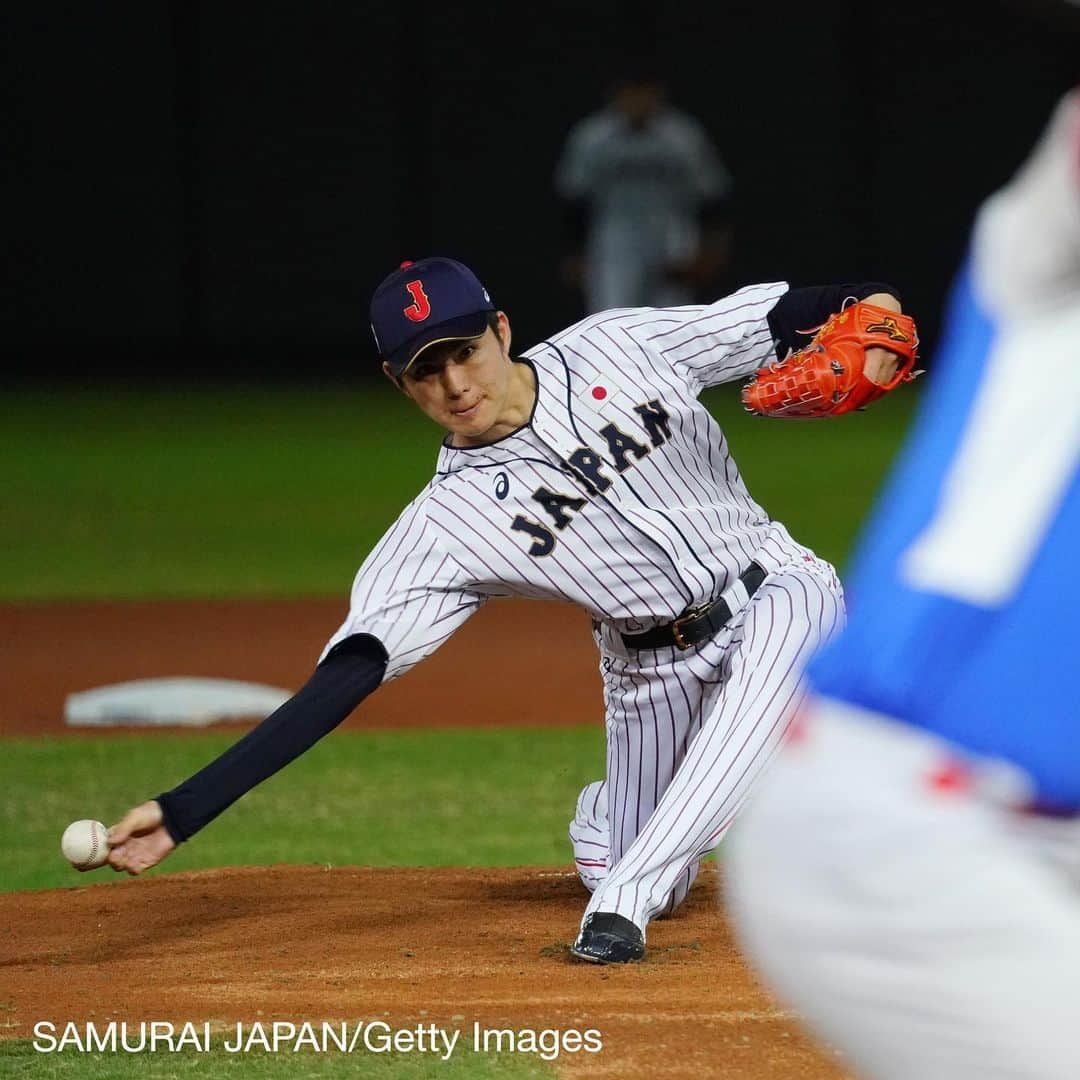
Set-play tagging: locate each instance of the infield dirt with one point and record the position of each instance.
(444, 946)
(440, 946)
(511, 663)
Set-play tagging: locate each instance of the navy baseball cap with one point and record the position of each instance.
(425, 302)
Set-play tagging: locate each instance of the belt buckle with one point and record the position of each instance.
(689, 616)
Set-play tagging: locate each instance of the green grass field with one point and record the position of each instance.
(19, 1059)
(410, 798)
(134, 491)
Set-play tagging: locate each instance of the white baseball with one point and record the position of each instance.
(85, 844)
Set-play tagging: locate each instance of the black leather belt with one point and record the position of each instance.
(697, 624)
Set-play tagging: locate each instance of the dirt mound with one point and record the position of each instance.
(442, 946)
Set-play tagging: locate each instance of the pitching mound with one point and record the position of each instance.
(450, 947)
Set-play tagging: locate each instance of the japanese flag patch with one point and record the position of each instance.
(598, 394)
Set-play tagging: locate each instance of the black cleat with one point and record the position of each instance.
(607, 938)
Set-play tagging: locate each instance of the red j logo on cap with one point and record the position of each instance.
(420, 308)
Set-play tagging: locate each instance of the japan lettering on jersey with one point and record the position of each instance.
(620, 495)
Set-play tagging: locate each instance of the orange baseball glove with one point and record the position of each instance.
(827, 378)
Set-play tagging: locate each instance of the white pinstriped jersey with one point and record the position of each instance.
(620, 495)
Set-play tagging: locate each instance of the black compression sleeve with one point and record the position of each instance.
(804, 309)
(349, 673)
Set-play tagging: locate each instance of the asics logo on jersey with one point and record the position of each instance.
(420, 308)
(588, 467)
(502, 486)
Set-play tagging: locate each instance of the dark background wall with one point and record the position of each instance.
(217, 186)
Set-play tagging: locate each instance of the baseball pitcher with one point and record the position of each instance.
(586, 469)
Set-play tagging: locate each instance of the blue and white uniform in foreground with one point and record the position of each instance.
(906, 876)
(965, 602)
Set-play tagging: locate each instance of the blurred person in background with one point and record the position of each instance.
(645, 196)
(907, 874)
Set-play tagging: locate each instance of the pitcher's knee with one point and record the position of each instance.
(590, 836)
(592, 874)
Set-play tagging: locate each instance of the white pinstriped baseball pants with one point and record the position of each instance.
(688, 734)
